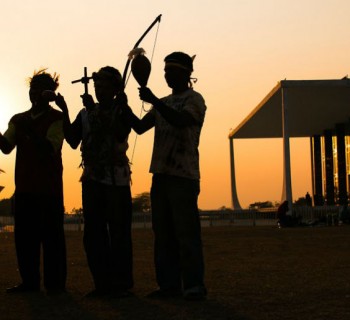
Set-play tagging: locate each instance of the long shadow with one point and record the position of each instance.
(40, 306)
(149, 309)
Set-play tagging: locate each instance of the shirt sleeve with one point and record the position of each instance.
(55, 135)
(195, 105)
(10, 134)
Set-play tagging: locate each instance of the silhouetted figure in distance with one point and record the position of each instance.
(308, 199)
(283, 219)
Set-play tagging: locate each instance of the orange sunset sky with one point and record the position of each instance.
(243, 48)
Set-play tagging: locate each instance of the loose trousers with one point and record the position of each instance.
(178, 254)
(39, 223)
(107, 234)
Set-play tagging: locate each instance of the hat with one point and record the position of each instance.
(179, 59)
(110, 74)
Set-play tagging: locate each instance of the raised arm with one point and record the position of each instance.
(72, 131)
(5, 146)
(138, 125)
(174, 117)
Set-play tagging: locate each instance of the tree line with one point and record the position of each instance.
(141, 203)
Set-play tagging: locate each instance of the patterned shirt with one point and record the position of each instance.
(39, 142)
(104, 158)
(175, 149)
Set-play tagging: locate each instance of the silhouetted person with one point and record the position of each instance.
(106, 195)
(283, 219)
(38, 205)
(344, 215)
(308, 199)
(177, 119)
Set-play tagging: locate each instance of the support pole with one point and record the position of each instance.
(287, 185)
(317, 171)
(341, 163)
(312, 171)
(328, 142)
(235, 202)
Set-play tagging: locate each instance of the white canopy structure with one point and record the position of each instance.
(294, 108)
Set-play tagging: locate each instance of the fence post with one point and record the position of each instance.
(231, 218)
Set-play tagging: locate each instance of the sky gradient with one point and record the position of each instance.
(243, 48)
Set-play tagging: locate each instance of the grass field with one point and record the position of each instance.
(251, 273)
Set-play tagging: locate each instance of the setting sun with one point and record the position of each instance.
(242, 50)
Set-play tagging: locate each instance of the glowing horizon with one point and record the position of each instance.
(243, 49)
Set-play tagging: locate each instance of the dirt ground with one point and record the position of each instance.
(251, 273)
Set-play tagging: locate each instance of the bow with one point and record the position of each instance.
(157, 20)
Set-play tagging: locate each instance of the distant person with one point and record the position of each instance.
(286, 220)
(283, 219)
(308, 199)
(344, 215)
(106, 195)
(38, 202)
(177, 119)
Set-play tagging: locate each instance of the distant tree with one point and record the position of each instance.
(260, 205)
(76, 211)
(224, 208)
(142, 202)
(301, 202)
(6, 207)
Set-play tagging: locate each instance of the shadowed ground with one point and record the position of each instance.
(251, 273)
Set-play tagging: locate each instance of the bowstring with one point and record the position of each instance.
(143, 103)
